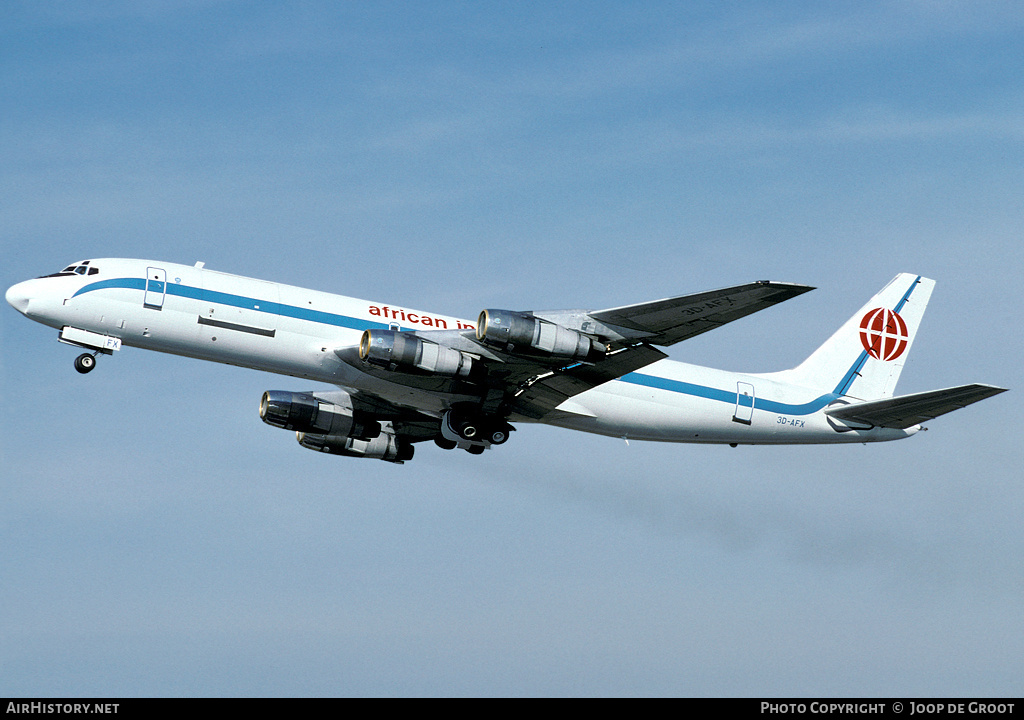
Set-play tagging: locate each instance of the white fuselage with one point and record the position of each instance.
(289, 330)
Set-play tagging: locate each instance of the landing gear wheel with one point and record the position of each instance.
(469, 430)
(405, 451)
(498, 436)
(476, 449)
(85, 363)
(463, 424)
(445, 443)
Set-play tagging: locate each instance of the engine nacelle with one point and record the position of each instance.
(522, 332)
(307, 413)
(385, 446)
(396, 350)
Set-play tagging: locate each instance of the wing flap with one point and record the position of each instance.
(909, 410)
(550, 390)
(668, 321)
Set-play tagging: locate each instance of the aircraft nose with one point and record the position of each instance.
(19, 296)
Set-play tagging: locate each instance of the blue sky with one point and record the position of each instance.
(157, 539)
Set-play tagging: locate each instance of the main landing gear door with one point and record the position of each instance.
(156, 288)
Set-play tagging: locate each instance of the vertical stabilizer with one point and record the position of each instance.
(864, 358)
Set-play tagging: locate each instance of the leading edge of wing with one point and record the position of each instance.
(668, 321)
(906, 411)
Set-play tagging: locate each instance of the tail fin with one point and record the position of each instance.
(865, 357)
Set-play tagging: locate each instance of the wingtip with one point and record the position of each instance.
(994, 389)
(795, 288)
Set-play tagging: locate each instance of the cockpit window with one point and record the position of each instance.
(80, 268)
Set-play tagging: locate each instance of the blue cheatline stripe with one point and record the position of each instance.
(725, 396)
(239, 301)
(854, 372)
(273, 308)
(317, 316)
(129, 283)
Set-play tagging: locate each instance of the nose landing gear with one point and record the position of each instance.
(85, 362)
(95, 343)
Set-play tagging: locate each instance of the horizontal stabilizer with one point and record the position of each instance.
(665, 322)
(908, 410)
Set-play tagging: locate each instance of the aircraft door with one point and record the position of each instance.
(156, 288)
(744, 403)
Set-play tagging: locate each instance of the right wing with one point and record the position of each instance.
(909, 410)
(543, 393)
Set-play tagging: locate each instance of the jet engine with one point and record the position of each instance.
(396, 350)
(522, 332)
(327, 422)
(307, 413)
(386, 446)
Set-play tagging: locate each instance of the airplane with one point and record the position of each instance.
(404, 376)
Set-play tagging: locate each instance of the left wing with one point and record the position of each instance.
(908, 410)
(666, 322)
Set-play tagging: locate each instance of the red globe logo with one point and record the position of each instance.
(883, 333)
